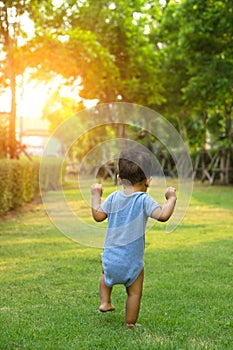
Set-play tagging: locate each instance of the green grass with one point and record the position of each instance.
(49, 284)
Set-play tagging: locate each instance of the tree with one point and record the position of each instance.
(123, 27)
(8, 41)
(172, 69)
(105, 44)
(13, 40)
(202, 42)
(71, 52)
(212, 73)
(4, 121)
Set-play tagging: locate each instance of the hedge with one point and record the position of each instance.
(21, 180)
(19, 183)
(52, 172)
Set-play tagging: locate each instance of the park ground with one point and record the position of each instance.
(49, 284)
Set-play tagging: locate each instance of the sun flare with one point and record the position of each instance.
(33, 100)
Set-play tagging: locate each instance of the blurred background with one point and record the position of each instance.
(175, 57)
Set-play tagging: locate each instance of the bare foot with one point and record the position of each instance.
(132, 325)
(106, 307)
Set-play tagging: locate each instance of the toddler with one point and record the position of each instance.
(127, 212)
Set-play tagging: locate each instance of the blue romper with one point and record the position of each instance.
(124, 245)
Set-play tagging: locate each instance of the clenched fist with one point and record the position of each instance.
(97, 189)
(170, 192)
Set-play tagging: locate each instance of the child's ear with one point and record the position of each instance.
(119, 181)
(148, 181)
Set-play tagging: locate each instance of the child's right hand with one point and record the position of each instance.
(170, 192)
(97, 189)
(97, 212)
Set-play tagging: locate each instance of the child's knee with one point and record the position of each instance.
(134, 290)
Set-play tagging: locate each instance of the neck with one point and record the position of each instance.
(142, 187)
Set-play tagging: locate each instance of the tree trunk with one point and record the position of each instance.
(228, 165)
(9, 44)
(12, 135)
(228, 135)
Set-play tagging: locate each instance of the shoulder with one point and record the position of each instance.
(109, 202)
(150, 204)
(143, 196)
(112, 196)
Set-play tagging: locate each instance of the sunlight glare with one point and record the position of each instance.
(34, 98)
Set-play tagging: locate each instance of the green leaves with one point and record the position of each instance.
(196, 37)
(176, 58)
(18, 183)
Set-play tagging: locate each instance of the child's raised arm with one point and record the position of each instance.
(96, 194)
(164, 212)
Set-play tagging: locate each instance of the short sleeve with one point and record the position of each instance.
(150, 205)
(107, 204)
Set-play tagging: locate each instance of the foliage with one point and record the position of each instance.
(18, 183)
(51, 173)
(104, 43)
(196, 38)
(175, 58)
(123, 28)
(57, 109)
(197, 70)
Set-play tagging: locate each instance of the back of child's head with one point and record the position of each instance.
(134, 167)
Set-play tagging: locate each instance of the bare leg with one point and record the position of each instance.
(133, 301)
(105, 296)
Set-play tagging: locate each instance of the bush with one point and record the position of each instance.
(5, 184)
(19, 183)
(31, 181)
(51, 173)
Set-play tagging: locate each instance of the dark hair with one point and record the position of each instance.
(134, 166)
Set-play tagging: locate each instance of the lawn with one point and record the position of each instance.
(49, 284)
